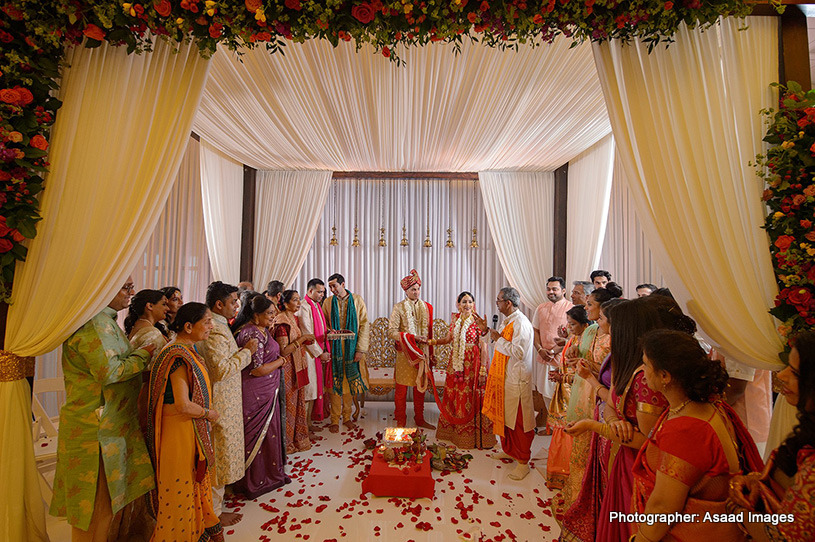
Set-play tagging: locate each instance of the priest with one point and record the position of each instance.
(508, 395)
(411, 327)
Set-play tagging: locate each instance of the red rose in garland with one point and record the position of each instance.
(800, 297)
(10, 96)
(163, 7)
(784, 242)
(363, 12)
(25, 95)
(5, 246)
(39, 142)
(293, 4)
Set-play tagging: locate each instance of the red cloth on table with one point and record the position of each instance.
(386, 481)
(517, 442)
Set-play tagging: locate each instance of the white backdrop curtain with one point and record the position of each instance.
(589, 181)
(320, 107)
(288, 208)
(112, 167)
(520, 211)
(626, 253)
(222, 197)
(176, 254)
(686, 121)
(374, 271)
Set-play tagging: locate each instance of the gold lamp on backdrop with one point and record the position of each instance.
(449, 243)
(404, 242)
(333, 241)
(382, 241)
(355, 242)
(427, 242)
(474, 242)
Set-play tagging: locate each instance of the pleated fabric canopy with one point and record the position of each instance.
(339, 109)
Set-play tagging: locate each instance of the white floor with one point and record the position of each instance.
(323, 503)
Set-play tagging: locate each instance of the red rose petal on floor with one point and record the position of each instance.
(231, 531)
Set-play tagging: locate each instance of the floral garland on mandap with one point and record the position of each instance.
(33, 34)
(788, 168)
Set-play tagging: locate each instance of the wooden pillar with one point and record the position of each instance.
(561, 210)
(793, 63)
(793, 42)
(248, 225)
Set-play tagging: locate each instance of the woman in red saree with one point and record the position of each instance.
(787, 484)
(178, 435)
(696, 447)
(286, 331)
(466, 376)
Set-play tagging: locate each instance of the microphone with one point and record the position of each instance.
(494, 321)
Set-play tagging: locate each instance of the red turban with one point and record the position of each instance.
(410, 280)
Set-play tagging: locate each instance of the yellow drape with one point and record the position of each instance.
(686, 122)
(115, 151)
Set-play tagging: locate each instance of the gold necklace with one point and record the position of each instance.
(675, 410)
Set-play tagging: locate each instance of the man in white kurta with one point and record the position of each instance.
(224, 363)
(312, 322)
(513, 353)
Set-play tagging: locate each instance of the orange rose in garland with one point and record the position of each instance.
(784, 242)
(94, 32)
(163, 8)
(39, 142)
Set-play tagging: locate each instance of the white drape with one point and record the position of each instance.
(626, 254)
(176, 254)
(222, 197)
(288, 208)
(589, 192)
(686, 121)
(520, 211)
(320, 107)
(112, 167)
(374, 271)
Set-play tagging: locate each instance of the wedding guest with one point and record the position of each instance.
(548, 322)
(646, 289)
(631, 412)
(508, 395)
(600, 277)
(461, 421)
(174, 302)
(148, 308)
(224, 362)
(578, 504)
(263, 402)
(581, 289)
(595, 346)
(178, 433)
(273, 291)
(557, 466)
(318, 354)
(674, 473)
(787, 483)
(99, 429)
(346, 311)
(291, 342)
(245, 286)
(143, 321)
(411, 320)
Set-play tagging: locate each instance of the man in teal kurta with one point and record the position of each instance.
(100, 421)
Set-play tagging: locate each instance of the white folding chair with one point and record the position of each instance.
(45, 432)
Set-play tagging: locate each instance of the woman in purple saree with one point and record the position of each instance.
(263, 402)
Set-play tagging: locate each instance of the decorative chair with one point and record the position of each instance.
(45, 432)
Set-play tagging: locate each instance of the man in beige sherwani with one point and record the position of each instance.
(411, 321)
(224, 362)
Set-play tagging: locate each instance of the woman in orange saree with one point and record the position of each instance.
(677, 474)
(178, 435)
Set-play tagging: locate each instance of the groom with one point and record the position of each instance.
(411, 325)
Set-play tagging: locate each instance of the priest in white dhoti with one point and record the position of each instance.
(318, 354)
(508, 395)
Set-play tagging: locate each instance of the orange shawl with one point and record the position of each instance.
(494, 391)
